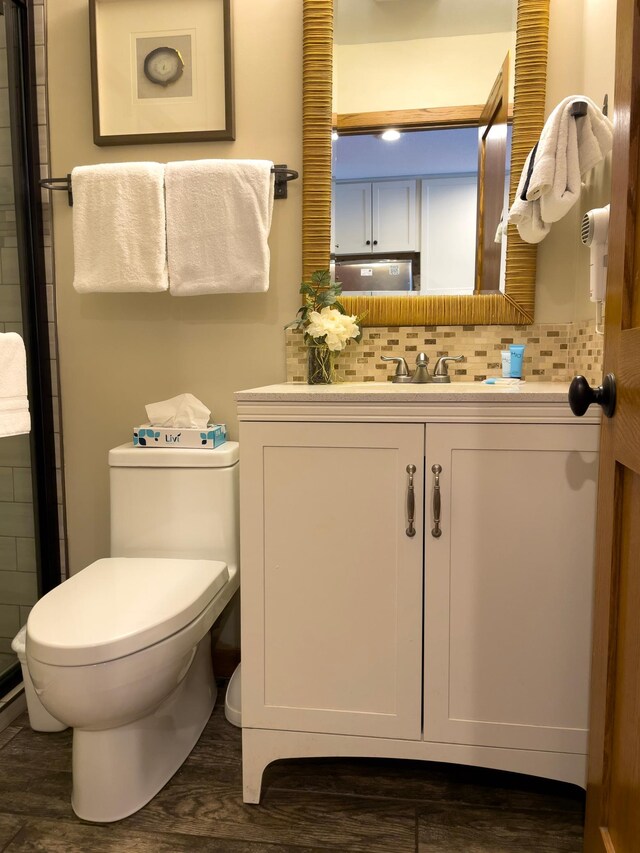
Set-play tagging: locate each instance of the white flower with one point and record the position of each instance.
(336, 328)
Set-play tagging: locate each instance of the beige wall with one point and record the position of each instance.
(581, 61)
(118, 352)
(433, 72)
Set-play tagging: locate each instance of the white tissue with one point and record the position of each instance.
(184, 411)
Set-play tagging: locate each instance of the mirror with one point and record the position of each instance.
(516, 303)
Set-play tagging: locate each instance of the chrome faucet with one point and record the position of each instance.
(421, 374)
(441, 372)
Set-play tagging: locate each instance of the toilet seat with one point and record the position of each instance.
(118, 606)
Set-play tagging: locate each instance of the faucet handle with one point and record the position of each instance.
(402, 371)
(441, 372)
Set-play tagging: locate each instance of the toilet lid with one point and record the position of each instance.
(118, 606)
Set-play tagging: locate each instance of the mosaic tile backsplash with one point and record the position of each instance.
(554, 352)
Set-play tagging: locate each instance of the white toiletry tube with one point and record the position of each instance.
(506, 362)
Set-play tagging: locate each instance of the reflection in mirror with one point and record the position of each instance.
(411, 203)
(419, 214)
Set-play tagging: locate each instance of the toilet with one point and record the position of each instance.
(121, 651)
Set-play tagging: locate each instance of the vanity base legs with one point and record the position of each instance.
(262, 746)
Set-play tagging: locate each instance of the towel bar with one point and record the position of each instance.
(282, 172)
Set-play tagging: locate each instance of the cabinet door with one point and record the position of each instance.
(508, 585)
(331, 583)
(353, 219)
(448, 235)
(394, 216)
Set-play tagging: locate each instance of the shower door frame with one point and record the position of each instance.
(25, 146)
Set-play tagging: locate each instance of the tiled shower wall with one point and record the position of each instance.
(554, 352)
(18, 579)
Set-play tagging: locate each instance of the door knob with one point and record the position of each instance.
(582, 395)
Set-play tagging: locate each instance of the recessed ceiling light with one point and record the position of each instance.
(390, 135)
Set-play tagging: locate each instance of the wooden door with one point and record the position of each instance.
(492, 165)
(613, 792)
(331, 583)
(509, 586)
(394, 216)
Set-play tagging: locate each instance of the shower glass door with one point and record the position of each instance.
(29, 552)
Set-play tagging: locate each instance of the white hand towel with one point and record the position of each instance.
(14, 405)
(218, 221)
(119, 232)
(526, 215)
(569, 147)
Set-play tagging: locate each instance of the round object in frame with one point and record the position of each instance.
(163, 66)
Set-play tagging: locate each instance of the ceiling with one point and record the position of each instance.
(426, 152)
(367, 21)
(433, 152)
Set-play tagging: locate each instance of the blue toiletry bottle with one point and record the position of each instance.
(517, 353)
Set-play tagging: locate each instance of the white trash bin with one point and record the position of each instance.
(233, 699)
(39, 718)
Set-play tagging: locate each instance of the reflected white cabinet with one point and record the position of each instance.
(448, 234)
(375, 217)
(337, 656)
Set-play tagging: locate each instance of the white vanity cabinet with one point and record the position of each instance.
(374, 217)
(509, 585)
(472, 646)
(334, 583)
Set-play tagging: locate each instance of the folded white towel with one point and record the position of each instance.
(14, 405)
(119, 232)
(218, 221)
(526, 215)
(551, 180)
(569, 147)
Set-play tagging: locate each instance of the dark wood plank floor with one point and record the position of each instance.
(346, 805)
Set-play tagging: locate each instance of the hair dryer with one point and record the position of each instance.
(595, 234)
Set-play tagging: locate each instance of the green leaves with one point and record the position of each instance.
(320, 292)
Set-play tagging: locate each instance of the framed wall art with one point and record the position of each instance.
(161, 71)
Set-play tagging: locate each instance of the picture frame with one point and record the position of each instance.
(161, 71)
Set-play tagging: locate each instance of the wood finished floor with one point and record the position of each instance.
(372, 806)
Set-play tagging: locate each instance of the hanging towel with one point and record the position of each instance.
(524, 214)
(218, 221)
(569, 147)
(551, 182)
(119, 232)
(14, 405)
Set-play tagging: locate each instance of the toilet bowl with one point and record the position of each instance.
(121, 651)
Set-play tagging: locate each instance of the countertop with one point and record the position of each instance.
(377, 392)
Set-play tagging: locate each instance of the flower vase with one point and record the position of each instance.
(321, 368)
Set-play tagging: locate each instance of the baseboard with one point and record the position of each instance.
(225, 661)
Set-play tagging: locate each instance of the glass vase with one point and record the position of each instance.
(321, 367)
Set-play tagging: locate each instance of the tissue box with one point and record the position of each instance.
(148, 436)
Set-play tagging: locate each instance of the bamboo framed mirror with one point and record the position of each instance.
(515, 305)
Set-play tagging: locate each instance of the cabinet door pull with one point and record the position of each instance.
(411, 501)
(436, 531)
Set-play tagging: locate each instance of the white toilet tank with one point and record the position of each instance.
(168, 502)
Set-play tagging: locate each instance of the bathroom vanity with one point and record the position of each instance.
(417, 575)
